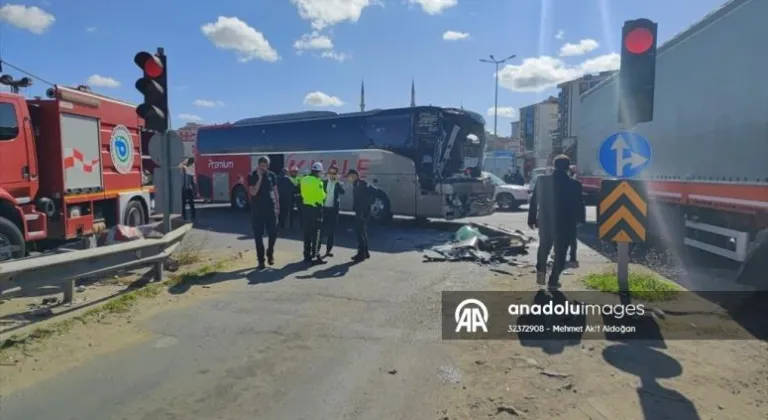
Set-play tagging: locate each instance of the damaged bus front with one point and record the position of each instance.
(454, 141)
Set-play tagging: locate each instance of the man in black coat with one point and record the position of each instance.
(262, 186)
(333, 191)
(362, 198)
(556, 209)
(287, 191)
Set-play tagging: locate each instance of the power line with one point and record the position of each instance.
(3, 62)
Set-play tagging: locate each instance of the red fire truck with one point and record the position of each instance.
(70, 166)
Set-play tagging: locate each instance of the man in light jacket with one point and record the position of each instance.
(333, 191)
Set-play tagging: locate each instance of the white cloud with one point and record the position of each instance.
(90, 29)
(601, 63)
(231, 33)
(31, 18)
(98, 80)
(326, 13)
(455, 36)
(539, 73)
(204, 103)
(190, 117)
(560, 34)
(321, 99)
(584, 46)
(504, 112)
(434, 7)
(313, 41)
(334, 55)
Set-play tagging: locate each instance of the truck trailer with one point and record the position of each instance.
(708, 178)
(70, 166)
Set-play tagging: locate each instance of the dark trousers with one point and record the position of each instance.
(312, 222)
(572, 248)
(286, 213)
(560, 241)
(330, 220)
(361, 231)
(264, 218)
(188, 198)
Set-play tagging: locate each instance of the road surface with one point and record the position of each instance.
(345, 341)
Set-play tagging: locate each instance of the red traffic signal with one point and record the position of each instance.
(639, 40)
(150, 63)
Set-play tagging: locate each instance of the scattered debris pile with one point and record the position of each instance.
(481, 243)
(122, 233)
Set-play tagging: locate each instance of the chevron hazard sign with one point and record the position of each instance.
(622, 215)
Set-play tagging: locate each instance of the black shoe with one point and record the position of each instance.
(358, 258)
(328, 253)
(271, 260)
(261, 266)
(318, 261)
(367, 255)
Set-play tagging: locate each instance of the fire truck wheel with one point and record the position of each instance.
(239, 198)
(134, 214)
(12, 243)
(380, 210)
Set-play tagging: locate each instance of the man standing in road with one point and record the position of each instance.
(262, 185)
(333, 191)
(362, 198)
(188, 188)
(573, 262)
(556, 208)
(287, 190)
(313, 197)
(297, 204)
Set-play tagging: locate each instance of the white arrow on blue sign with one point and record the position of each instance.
(625, 154)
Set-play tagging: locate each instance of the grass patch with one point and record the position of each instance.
(643, 285)
(190, 252)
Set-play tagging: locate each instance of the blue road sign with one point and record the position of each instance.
(625, 154)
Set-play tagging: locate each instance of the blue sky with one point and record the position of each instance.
(230, 59)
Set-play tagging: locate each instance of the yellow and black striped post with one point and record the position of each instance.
(622, 214)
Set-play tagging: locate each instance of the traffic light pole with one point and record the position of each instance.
(622, 259)
(165, 153)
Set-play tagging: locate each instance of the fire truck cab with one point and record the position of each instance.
(70, 166)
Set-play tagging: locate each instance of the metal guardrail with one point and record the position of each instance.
(65, 268)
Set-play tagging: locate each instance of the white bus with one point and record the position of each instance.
(426, 161)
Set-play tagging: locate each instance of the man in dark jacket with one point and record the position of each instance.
(287, 191)
(362, 198)
(556, 209)
(333, 191)
(262, 186)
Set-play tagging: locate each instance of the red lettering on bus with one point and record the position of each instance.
(363, 165)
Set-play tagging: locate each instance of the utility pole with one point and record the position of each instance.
(496, 62)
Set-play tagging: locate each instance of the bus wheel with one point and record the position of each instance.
(239, 198)
(380, 210)
(134, 214)
(12, 243)
(506, 202)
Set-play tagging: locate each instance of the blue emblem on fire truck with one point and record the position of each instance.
(121, 149)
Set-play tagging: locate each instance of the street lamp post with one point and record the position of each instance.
(496, 96)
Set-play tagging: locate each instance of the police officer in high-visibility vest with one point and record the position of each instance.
(294, 176)
(313, 197)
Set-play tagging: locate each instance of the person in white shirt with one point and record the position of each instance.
(333, 191)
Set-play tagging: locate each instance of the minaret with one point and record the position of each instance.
(413, 93)
(362, 96)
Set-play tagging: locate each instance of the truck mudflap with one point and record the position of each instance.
(467, 198)
(752, 271)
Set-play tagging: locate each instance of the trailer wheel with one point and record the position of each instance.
(134, 214)
(240, 198)
(12, 244)
(380, 210)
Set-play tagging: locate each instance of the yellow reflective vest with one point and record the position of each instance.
(312, 191)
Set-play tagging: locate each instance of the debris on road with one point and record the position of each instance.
(481, 243)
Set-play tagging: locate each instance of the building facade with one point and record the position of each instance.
(569, 105)
(538, 122)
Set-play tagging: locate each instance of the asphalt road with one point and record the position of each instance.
(288, 343)
(344, 341)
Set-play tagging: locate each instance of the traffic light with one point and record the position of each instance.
(637, 75)
(154, 87)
